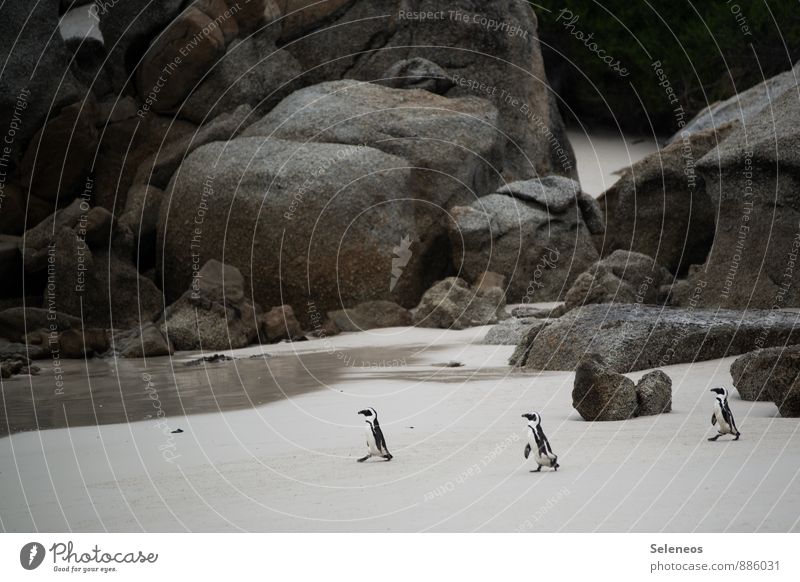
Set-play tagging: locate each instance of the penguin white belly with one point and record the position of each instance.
(724, 427)
(371, 444)
(543, 460)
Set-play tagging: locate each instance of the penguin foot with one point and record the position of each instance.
(715, 438)
(362, 459)
(539, 470)
(737, 436)
(556, 466)
(388, 457)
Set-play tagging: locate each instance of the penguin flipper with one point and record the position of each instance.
(527, 450)
(713, 418)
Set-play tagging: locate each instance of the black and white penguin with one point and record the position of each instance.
(542, 452)
(722, 414)
(376, 444)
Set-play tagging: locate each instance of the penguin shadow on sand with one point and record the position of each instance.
(539, 445)
(376, 443)
(722, 416)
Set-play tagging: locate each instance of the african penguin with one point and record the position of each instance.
(537, 442)
(722, 414)
(376, 444)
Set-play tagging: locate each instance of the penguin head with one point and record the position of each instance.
(720, 392)
(532, 417)
(369, 413)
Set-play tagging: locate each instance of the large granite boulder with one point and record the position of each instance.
(343, 213)
(452, 145)
(35, 246)
(753, 179)
(752, 373)
(509, 332)
(770, 374)
(135, 236)
(600, 393)
(654, 394)
(532, 232)
(633, 337)
(659, 207)
(622, 277)
(182, 53)
(36, 81)
(280, 324)
(332, 212)
(107, 291)
(91, 227)
(252, 72)
(124, 146)
(83, 279)
(742, 106)
(17, 322)
(490, 49)
(82, 343)
(147, 343)
(213, 314)
(157, 169)
(58, 160)
(453, 304)
(298, 17)
(128, 30)
(21, 211)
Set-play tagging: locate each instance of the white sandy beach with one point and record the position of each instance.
(601, 155)
(458, 440)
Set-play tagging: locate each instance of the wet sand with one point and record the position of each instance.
(109, 391)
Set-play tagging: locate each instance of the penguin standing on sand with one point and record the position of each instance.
(722, 414)
(376, 444)
(542, 452)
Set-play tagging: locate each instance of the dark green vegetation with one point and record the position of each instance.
(602, 63)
